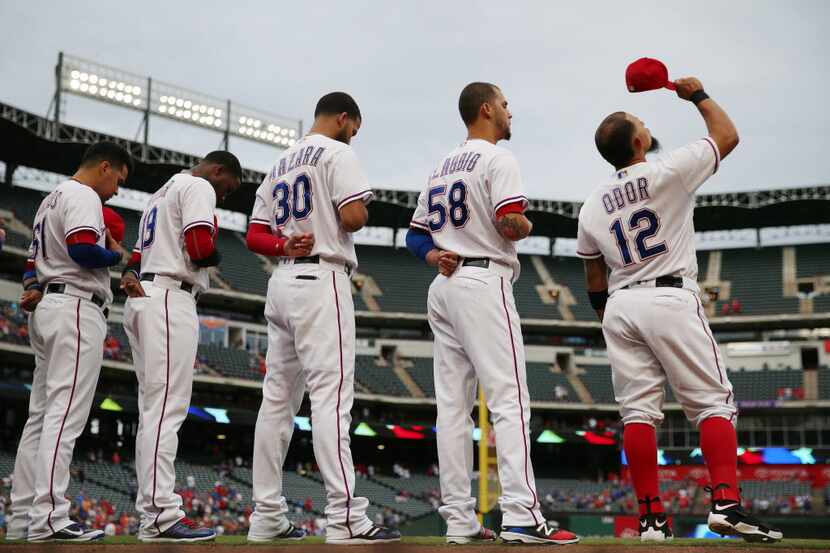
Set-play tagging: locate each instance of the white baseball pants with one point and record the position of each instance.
(67, 335)
(478, 338)
(163, 330)
(659, 334)
(311, 345)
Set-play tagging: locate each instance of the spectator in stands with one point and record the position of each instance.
(560, 392)
(112, 348)
(736, 306)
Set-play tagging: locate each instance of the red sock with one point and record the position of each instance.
(719, 445)
(640, 444)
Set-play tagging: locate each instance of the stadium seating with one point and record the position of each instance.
(757, 282)
(528, 302)
(597, 379)
(811, 261)
(422, 373)
(542, 383)
(379, 380)
(824, 383)
(23, 202)
(402, 278)
(568, 271)
(230, 362)
(764, 384)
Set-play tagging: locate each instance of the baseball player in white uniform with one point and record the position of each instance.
(316, 194)
(166, 274)
(638, 224)
(67, 290)
(466, 223)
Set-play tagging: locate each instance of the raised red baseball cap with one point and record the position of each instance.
(647, 74)
(115, 224)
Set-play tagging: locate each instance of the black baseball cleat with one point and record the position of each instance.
(484, 535)
(375, 534)
(291, 533)
(728, 518)
(655, 527)
(75, 532)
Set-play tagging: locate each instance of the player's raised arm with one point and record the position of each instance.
(718, 124)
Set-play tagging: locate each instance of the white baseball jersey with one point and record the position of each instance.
(458, 206)
(182, 203)
(71, 207)
(305, 190)
(640, 221)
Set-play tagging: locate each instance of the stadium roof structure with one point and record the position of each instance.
(34, 141)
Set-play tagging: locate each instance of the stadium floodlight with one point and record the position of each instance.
(155, 98)
(103, 83)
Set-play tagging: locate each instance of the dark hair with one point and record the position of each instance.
(335, 103)
(107, 151)
(613, 138)
(471, 99)
(226, 160)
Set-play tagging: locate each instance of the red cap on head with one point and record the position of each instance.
(114, 222)
(647, 74)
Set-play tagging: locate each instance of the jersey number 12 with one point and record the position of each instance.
(651, 227)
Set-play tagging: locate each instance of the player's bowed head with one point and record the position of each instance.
(222, 170)
(484, 111)
(104, 167)
(338, 117)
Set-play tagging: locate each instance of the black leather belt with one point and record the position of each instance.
(56, 288)
(316, 260)
(666, 281)
(186, 286)
(483, 262)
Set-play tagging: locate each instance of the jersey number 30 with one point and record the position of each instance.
(456, 206)
(292, 201)
(635, 224)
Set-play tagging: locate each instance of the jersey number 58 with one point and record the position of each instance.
(456, 206)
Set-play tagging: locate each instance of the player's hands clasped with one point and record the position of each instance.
(132, 286)
(30, 299)
(447, 263)
(687, 86)
(299, 245)
(113, 245)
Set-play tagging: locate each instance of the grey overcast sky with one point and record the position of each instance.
(560, 64)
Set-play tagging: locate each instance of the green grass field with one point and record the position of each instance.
(818, 545)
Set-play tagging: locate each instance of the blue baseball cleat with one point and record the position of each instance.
(184, 531)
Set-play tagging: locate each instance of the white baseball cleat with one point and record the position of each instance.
(655, 527)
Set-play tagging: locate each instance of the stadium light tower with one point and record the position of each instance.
(99, 82)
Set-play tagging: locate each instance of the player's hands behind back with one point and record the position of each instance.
(132, 286)
(687, 86)
(30, 299)
(446, 261)
(299, 245)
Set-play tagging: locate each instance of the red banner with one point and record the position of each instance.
(817, 475)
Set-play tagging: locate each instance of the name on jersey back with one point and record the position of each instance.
(465, 161)
(309, 155)
(628, 193)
